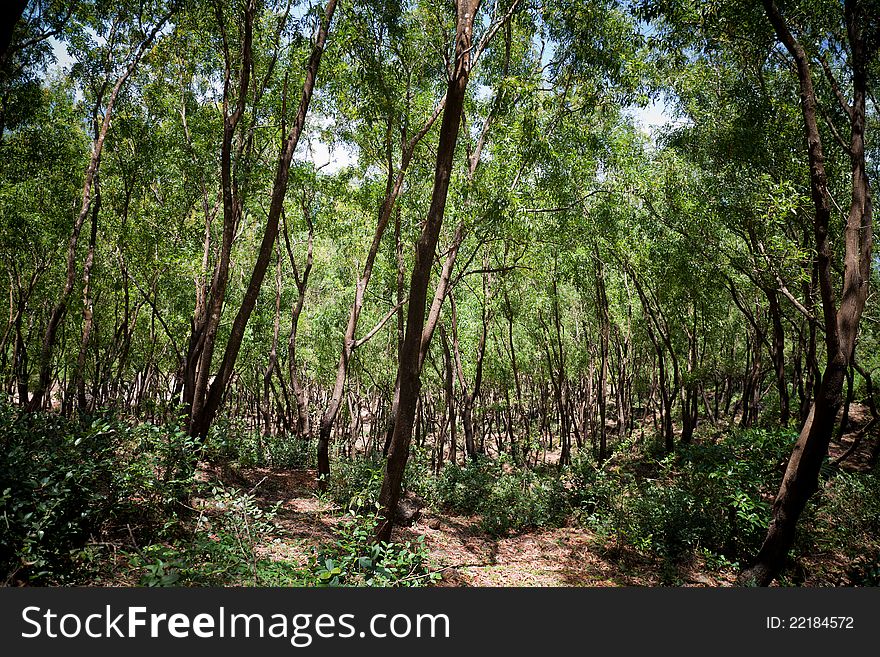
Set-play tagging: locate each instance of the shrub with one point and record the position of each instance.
(160, 464)
(57, 485)
(221, 548)
(355, 560)
(355, 483)
(848, 521)
(285, 451)
(523, 499)
(508, 499)
(63, 481)
(418, 477)
(229, 440)
(464, 488)
(708, 496)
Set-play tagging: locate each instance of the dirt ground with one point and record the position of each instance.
(463, 553)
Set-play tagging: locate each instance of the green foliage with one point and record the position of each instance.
(593, 254)
(354, 559)
(418, 477)
(507, 499)
(63, 481)
(228, 440)
(58, 484)
(355, 483)
(711, 496)
(462, 489)
(848, 522)
(523, 500)
(221, 548)
(163, 463)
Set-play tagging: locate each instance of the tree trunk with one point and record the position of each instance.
(393, 188)
(841, 324)
(60, 307)
(408, 369)
(778, 354)
(203, 415)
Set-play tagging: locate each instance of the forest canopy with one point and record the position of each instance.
(424, 260)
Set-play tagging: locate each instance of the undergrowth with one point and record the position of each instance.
(98, 499)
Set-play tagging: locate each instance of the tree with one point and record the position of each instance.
(841, 319)
(409, 380)
(137, 50)
(206, 400)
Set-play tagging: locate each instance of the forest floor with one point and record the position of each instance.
(857, 457)
(459, 549)
(465, 555)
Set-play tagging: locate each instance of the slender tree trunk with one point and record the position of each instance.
(801, 477)
(88, 306)
(60, 307)
(393, 189)
(209, 306)
(409, 370)
(469, 398)
(778, 354)
(203, 415)
(303, 422)
(272, 365)
(604, 336)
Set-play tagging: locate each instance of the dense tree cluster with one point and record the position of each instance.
(371, 224)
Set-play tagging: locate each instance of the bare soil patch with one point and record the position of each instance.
(463, 553)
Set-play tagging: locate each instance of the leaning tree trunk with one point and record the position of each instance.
(393, 189)
(60, 308)
(409, 366)
(203, 417)
(801, 477)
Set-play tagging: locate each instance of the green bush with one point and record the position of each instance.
(507, 498)
(290, 452)
(848, 522)
(355, 560)
(463, 489)
(220, 548)
(418, 477)
(708, 496)
(523, 499)
(57, 485)
(159, 462)
(64, 481)
(355, 483)
(229, 440)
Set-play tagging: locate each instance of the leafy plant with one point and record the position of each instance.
(846, 520)
(355, 483)
(58, 484)
(709, 496)
(354, 559)
(507, 498)
(222, 547)
(462, 488)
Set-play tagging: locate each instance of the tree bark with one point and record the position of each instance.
(60, 307)
(408, 368)
(88, 313)
(392, 193)
(801, 477)
(203, 415)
